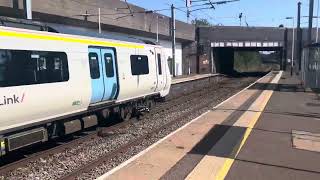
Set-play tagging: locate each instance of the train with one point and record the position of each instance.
(54, 84)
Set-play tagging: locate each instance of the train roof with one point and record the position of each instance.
(58, 30)
(93, 33)
(93, 41)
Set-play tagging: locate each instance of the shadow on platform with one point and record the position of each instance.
(221, 141)
(278, 87)
(306, 115)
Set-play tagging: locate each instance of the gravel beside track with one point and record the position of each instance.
(59, 165)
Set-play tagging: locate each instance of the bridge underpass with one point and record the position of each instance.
(218, 44)
(223, 53)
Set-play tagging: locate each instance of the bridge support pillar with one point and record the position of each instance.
(283, 60)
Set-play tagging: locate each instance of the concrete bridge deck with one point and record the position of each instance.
(270, 130)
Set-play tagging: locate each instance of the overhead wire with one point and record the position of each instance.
(202, 10)
(132, 12)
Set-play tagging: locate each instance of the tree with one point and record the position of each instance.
(201, 22)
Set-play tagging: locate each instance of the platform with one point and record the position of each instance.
(182, 79)
(270, 130)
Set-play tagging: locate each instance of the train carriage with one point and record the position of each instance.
(54, 84)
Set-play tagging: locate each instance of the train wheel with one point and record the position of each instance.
(150, 104)
(129, 113)
(126, 113)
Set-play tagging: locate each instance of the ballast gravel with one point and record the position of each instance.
(60, 164)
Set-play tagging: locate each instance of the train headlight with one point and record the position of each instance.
(2, 147)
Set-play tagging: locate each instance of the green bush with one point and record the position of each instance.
(248, 61)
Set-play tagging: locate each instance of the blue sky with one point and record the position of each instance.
(257, 12)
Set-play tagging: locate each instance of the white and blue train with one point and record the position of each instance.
(54, 84)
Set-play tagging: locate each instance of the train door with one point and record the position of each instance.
(160, 70)
(103, 74)
(97, 84)
(110, 74)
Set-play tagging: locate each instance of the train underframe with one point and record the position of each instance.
(68, 126)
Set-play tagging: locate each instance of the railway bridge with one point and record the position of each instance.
(217, 45)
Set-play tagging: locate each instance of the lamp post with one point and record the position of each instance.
(292, 55)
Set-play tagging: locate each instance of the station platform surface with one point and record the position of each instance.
(182, 79)
(270, 130)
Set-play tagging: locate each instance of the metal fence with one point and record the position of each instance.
(310, 71)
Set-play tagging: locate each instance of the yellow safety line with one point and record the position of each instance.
(228, 163)
(67, 39)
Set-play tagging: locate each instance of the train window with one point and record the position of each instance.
(139, 64)
(109, 64)
(23, 67)
(159, 63)
(4, 56)
(94, 65)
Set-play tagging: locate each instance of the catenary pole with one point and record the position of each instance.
(317, 21)
(299, 36)
(99, 20)
(157, 28)
(173, 36)
(311, 4)
(293, 42)
(28, 9)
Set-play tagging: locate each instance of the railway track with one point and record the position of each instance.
(62, 147)
(124, 148)
(169, 107)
